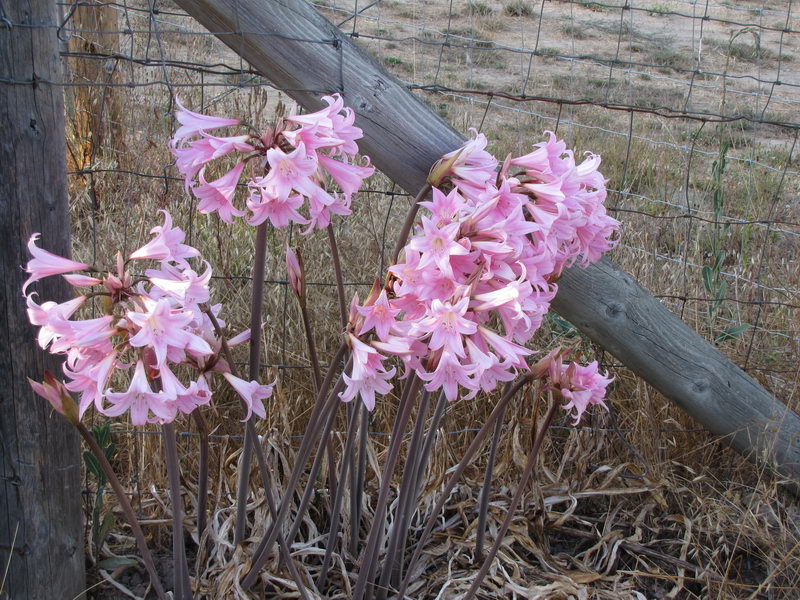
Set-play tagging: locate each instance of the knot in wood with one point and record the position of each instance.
(615, 310)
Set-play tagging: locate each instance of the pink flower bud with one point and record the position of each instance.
(57, 395)
(295, 273)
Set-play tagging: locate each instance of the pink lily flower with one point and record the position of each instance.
(447, 325)
(140, 399)
(167, 245)
(193, 123)
(581, 386)
(448, 375)
(252, 393)
(279, 211)
(371, 381)
(216, 196)
(90, 381)
(349, 177)
(78, 280)
(290, 171)
(44, 264)
(295, 274)
(163, 328)
(379, 315)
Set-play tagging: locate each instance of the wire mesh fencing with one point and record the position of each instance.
(692, 105)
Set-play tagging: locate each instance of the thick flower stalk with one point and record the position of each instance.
(154, 328)
(477, 275)
(301, 163)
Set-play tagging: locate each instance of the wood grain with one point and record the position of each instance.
(40, 480)
(299, 51)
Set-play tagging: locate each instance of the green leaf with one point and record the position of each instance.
(731, 333)
(115, 562)
(708, 279)
(109, 520)
(720, 295)
(92, 464)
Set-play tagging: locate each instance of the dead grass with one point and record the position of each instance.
(647, 507)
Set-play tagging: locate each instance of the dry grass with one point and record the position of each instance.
(646, 506)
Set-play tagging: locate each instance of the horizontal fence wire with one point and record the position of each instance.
(667, 92)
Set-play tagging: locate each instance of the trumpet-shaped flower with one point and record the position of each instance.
(141, 400)
(44, 264)
(161, 327)
(252, 393)
(167, 245)
(216, 196)
(379, 315)
(193, 123)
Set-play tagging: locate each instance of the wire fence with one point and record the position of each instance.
(693, 106)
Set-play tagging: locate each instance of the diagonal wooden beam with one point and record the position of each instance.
(301, 52)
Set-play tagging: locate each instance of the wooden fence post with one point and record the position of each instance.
(41, 521)
(301, 52)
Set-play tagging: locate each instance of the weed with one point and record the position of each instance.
(478, 9)
(659, 10)
(577, 32)
(518, 8)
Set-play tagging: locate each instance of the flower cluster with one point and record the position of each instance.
(293, 163)
(479, 273)
(157, 325)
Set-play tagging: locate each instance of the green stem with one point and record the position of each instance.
(336, 511)
(337, 270)
(483, 508)
(370, 557)
(180, 567)
(202, 480)
(526, 474)
(313, 431)
(127, 509)
(404, 497)
(409, 222)
(261, 459)
(455, 476)
(259, 269)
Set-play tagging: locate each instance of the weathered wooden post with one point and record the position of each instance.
(41, 522)
(305, 54)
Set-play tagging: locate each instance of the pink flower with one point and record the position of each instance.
(448, 375)
(163, 328)
(193, 123)
(378, 315)
(279, 211)
(140, 400)
(185, 286)
(90, 380)
(78, 280)
(252, 393)
(290, 171)
(167, 244)
(57, 395)
(44, 264)
(447, 325)
(217, 195)
(580, 385)
(52, 318)
(349, 177)
(437, 245)
(370, 382)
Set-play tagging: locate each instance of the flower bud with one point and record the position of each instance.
(296, 273)
(57, 395)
